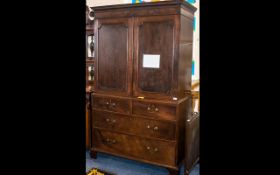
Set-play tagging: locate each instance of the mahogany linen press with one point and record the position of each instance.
(142, 70)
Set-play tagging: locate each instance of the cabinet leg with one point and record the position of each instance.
(173, 172)
(93, 154)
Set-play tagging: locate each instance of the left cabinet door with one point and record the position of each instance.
(113, 67)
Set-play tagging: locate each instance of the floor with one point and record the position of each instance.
(122, 166)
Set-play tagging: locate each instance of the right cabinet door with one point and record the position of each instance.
(154, 56)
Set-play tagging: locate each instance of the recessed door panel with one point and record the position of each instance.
(154, 44)
(114, 56)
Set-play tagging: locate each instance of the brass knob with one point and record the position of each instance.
(148, 126)
(113, 121)
(107, 103)
(107, 120)
(156, 109)
(113, 104)
(107, 140)
(114, 141)
(156, 149)
(149, 108)
(148, 148)
(155, 128)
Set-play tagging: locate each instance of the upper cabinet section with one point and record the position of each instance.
(140, 49)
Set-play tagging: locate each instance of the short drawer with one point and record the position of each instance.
(111, 104)
(134, 125)
(135, 147)
(154, 110)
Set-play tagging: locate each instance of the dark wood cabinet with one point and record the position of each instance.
(88, 118)
(89, 73)
(140, 104)
(90, 52)
(192, 142)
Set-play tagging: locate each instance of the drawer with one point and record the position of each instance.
(135, 147)
(134, 125)
(111, 104)
(154, 110)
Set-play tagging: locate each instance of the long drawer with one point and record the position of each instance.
(146, 149)
(154, 110)
(111, 104)
(134, 125)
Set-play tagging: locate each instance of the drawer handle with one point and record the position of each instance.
(149, 148)
(155, 128)
(152, 108)
(109, 141)
(107, 103)
(111, 121)
(113, 104)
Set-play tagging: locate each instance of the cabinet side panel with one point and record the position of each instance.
(182, 117)
(185, 54)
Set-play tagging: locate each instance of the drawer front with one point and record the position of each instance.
(132, 146)
(134, 125)
(111, 104)
(154, 110)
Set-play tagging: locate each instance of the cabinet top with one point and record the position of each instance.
(181, 3)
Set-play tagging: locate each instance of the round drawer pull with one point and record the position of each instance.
(114, 121)
(156, 149)
(113, 104)
(114, 141)
(149, 108)
(148, 148)
(155, 128)
(107, 120)
(156, 109)
(148, 126)
(107, 103)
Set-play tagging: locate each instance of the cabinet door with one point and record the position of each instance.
(113, 56)
(155, 56)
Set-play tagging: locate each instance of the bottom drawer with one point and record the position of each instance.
(133, 146)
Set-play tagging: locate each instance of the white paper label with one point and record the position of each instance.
(151, 61)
